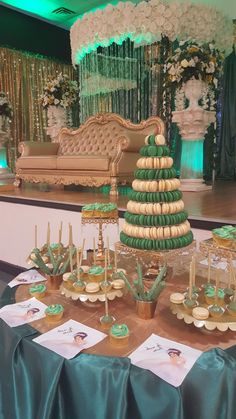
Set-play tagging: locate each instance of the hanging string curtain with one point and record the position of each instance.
(102, 74)
(23, 76)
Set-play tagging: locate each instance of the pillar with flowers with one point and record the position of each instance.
(194, 70)
(60, 94)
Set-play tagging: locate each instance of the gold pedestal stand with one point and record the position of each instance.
(101, 222)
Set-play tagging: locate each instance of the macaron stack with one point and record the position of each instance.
(155, 218)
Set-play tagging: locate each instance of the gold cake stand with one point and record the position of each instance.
(222, 324)
(101, 222)
(92, 297)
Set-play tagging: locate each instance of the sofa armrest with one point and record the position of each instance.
(135, 141)
(31, 148)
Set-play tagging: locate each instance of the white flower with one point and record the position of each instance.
(184, 63)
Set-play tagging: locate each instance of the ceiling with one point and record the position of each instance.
(64, 13)
(58, 12)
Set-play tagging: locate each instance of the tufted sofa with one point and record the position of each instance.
(103, 150)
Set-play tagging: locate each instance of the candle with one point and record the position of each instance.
(48, 235)
(193, 269)
(82, 251)
(190, 282)
(35, 236)
(106, 304)
(60, 233)
(78, 264)
(217, 286)
(115, 260)
(94, 251)
(230, 270)
(108, 252)
(70, 235)
(209, 268)
(71, 259)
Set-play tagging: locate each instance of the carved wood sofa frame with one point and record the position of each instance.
(102, 151)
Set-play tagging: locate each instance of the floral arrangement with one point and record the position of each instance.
(60, 91)
(190, 60)
(146, 22)
(5, 107)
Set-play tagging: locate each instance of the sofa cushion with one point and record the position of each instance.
(83, 162)
(37, 162)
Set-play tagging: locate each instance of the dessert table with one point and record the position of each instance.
(101, 383)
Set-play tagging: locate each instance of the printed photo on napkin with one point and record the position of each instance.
(70, 338)
(169, 360)
(24, 312)
(27, 277)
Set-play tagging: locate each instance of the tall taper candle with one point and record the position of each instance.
(48, 235)
(94, 251)
(35, 236)
(190, 288)
(108, 252)
(217, 285)
(60, 232)
(115, 260)
(209, 268)
(78, 264)
(194, 269)
(71, 259)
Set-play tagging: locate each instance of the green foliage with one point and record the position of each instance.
(137, 287)
(59, 259)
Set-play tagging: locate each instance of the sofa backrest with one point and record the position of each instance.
(99, 133)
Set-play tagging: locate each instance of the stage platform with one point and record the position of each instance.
(22, 209)
(206, 210)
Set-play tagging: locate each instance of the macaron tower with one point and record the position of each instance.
(155, 218)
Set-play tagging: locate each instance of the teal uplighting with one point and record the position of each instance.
(3, 159)
(192, 159)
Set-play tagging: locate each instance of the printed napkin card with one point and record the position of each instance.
(23, 312)
(27, 277)
(70, 338)
(169, 360)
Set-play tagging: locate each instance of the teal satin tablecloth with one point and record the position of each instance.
(36, 383)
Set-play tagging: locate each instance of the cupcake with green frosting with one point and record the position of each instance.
(54, 312)
(96, 273)
(119, 334)
(38, 291)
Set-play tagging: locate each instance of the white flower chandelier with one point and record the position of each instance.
(146, 22)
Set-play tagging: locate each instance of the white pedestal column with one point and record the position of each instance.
(193, 123)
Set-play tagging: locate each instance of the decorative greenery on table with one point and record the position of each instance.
(137, 287)
(58, 256)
